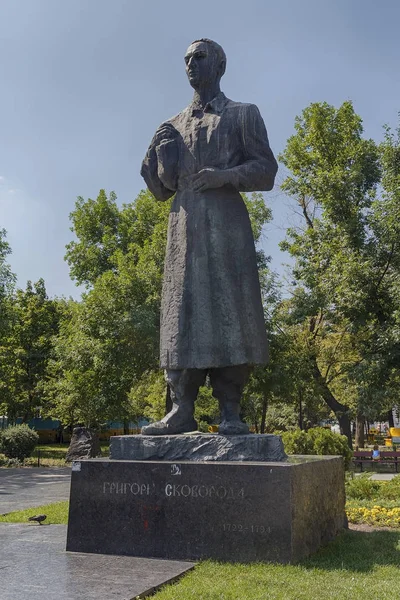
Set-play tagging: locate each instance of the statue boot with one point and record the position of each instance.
(228, 384)
(184, 386)
(231, 423)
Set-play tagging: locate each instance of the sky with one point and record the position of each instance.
(85, 83)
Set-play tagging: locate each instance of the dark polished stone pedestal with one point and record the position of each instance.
(278, 511)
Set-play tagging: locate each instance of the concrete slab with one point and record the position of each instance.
(29, 487)
(383, 476)
(34, 565)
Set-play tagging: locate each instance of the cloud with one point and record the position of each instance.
(2, 179)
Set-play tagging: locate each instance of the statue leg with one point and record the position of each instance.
(228, 384)
(184, 386)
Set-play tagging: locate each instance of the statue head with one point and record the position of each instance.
(205, 63)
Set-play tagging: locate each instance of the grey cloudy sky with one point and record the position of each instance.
(84, 84)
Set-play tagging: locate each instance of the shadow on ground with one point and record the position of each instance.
(358, 551)
(26, 487)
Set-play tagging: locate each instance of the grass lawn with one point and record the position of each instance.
(53, 455)
(57, 514)
(357, 564)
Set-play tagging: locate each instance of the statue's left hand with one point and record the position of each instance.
(207, 179)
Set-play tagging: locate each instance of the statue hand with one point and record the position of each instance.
(165, 133)
(208, 178)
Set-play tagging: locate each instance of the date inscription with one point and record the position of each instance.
(240, 528)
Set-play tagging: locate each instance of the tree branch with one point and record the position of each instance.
(333, 356)
(304, 206)
(385, 270)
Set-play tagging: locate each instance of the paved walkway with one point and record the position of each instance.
(378, 476)
(29, 487)
(34, 566)
(383, 476)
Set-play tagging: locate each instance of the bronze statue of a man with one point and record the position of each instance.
(211, 314)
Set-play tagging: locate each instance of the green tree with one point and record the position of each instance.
(7, 278)
(286, 383)
(7, 282)
(27, 347)
(110, 339)
(346, 262)
(72, 390)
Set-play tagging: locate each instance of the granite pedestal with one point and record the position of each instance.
(229, 511)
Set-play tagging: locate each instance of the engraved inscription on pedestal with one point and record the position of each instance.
(226, 511)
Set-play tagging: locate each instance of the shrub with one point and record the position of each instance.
(362, 488)
(317, 440)
(18, 442)
(390, 490)
(297, 442)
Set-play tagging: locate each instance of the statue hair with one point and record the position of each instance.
(219, 51)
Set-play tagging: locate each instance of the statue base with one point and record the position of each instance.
(228, 511)
(198, 447)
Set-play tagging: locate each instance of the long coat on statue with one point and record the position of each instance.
(211, 311)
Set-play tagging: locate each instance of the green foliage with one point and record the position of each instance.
(390, 490)
(148, 396)
(109, 341)
(95, 224)
(317, 441)
(114, 240)
(331, 163)
(11, 463)
(281, 417)
(347, 258)
(18, 442)
(362, 487)
(7, 278)
(27, 347)
(297, 442)
(259, 213)
(148, 399)
(206, 407)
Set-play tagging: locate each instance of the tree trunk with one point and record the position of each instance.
(360, 421)
(341, 410)
(345, 427)
(126, 427)
(390, 418)
(168, 400)
(300, 409)
(263, 414)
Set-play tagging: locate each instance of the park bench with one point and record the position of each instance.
(364, 457)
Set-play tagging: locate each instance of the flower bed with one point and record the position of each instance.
(379, 516)
(373, 502)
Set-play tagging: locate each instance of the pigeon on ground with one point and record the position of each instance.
(38, 518)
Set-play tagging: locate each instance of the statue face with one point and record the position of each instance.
(202, 66)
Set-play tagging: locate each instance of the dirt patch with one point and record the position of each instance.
(365, 527)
